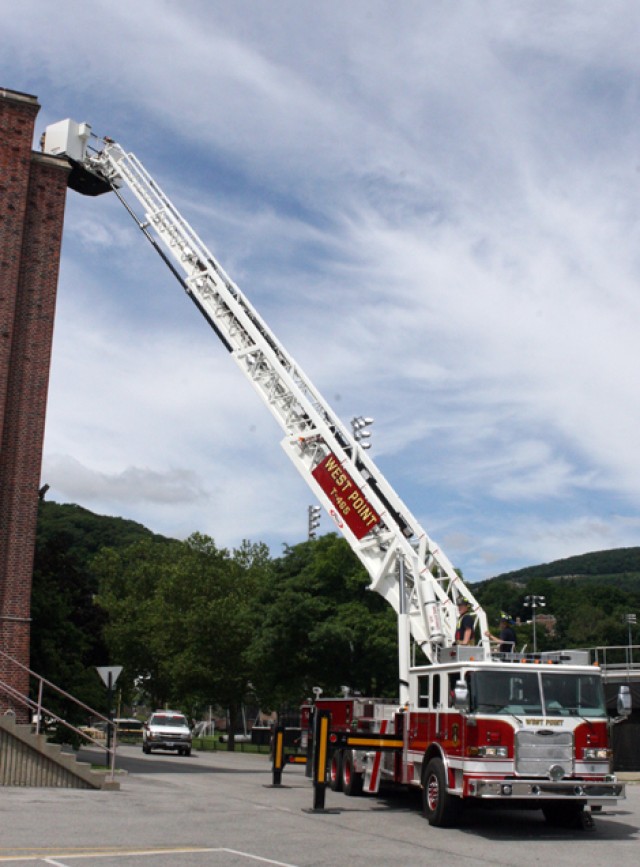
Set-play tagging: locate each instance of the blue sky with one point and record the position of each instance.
(434, 205)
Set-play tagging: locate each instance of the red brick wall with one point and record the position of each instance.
(32, 201)
(17, 117)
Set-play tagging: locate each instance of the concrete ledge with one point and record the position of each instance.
(27, 759)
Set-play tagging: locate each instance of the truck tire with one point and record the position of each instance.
(335, 772)
(440, 808)
(562, 814)
(352, 780)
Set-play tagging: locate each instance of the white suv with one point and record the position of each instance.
(167, 730)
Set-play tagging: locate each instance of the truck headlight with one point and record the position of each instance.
(493, 752)
(591, 754)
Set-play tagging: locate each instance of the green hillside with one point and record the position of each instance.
(85, 533)
(620, 566)
(586, 599)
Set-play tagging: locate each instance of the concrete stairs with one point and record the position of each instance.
(27, 759)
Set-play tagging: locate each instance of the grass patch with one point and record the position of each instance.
(211, 743)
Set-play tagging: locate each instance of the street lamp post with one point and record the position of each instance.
(631, 621)
(534, 602)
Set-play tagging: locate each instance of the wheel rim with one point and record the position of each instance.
(347, 773)
(433, 793)
(333, 772)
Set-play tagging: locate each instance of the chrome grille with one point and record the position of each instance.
(537, 752)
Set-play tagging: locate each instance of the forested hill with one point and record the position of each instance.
(586, 598)
(620, 566)
(84, 532)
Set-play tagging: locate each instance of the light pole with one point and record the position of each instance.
(631, 621)
(360, 435)
(534, 602)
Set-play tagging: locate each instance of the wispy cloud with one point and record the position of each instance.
(133, 485)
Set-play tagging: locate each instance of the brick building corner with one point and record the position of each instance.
(32, 201)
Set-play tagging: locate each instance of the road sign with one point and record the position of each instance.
(109, 674)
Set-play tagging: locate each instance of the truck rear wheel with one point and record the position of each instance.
(440, 808)
(352, 780)
(335, 772)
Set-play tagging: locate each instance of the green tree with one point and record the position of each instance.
(222, 621)
(137, 633)
(182, 617)
(322, 627)
(66, 627)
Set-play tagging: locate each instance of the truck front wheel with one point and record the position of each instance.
(562, 814)
(440, 808)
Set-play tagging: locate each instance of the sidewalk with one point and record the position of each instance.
(630, 777)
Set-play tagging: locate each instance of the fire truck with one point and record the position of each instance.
(469, 724)
(520, 730)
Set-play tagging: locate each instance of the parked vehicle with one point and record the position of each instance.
(129, 729)
(167, 730)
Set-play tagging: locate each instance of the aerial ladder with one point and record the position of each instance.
(404, 564)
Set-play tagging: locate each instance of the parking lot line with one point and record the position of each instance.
(49, 857)
(257, 858)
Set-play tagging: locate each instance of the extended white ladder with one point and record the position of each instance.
(405, 566)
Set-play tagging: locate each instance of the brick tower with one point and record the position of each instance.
(32, 201)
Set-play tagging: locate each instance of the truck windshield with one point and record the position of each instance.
(573, 694)
(532, 692)
(168, 721)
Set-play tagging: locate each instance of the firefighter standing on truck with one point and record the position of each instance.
(506, 638)
(466, 624)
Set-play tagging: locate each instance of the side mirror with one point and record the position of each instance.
(461, 696)
(624, 701)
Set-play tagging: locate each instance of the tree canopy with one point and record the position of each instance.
(322, 627)
(181, 617)
(67, 630)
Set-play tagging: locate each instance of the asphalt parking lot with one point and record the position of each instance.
(213, 809)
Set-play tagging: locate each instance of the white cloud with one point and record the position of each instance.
(133, 485)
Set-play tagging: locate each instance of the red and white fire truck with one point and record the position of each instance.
(523, 730)
(468, 724)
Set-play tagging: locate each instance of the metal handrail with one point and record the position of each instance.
(39, 709)
(622, 653)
